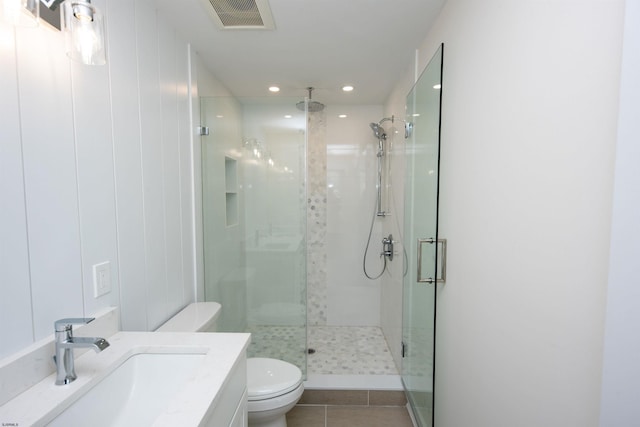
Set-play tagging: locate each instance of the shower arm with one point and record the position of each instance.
(408, 126)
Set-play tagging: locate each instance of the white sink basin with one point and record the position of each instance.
(134, 394)
(142, 379)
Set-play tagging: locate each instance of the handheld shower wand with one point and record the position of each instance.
(387, 253)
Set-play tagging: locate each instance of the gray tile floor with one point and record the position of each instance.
(350, 408)
(348, 416)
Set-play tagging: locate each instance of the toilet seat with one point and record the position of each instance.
(279, 403)
(270, 378)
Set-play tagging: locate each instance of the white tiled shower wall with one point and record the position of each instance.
(352, 299)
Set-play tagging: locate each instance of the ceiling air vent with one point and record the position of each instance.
(242, 14)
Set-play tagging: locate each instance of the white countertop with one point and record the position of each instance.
(41, 403)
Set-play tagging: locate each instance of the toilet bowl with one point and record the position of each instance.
(273, 386)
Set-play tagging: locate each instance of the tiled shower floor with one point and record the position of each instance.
(349, 350)
(339, 350)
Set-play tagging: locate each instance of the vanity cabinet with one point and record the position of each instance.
(240, 417)
(230, 410)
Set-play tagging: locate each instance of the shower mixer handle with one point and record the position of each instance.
(387, 247)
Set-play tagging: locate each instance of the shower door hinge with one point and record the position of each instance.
(202, 130)
(403, 349)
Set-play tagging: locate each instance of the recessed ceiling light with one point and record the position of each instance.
(219, 116)
(416, 115)
(347, 88)
(274, 89)
(342, 116)
(438, 86)
(288, 116)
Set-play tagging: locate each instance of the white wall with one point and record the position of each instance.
(96, 166)
(528, 136)
(621, 369)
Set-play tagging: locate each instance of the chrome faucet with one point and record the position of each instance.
(66, 342)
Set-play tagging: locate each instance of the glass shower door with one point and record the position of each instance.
(254, 221)
(421, 240)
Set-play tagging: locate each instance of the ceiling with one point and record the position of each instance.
(325, 44)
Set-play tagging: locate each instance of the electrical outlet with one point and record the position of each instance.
(101, 279)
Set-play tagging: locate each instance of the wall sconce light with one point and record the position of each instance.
(21, 13)
(83, 28)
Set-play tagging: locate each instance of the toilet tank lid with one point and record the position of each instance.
(269, 378)
(196, 317)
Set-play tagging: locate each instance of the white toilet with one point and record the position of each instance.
(273, 386)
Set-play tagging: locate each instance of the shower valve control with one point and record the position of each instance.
(387, 247)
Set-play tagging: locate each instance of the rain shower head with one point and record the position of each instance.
(378, 131)
(312, 106)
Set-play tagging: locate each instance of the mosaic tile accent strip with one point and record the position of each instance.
(349, 350)
(316, 219)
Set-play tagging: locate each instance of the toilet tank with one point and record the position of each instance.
(196, 317)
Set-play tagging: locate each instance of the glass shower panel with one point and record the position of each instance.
(254, 214)
(224, 255)
(420, 236)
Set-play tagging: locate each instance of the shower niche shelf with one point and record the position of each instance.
(231, 190)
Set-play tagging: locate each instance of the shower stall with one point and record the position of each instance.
(289, 197)
(283, 234)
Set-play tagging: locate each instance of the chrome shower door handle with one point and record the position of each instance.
(442, 264)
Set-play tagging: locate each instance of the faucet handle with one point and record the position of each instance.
(63, 325)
